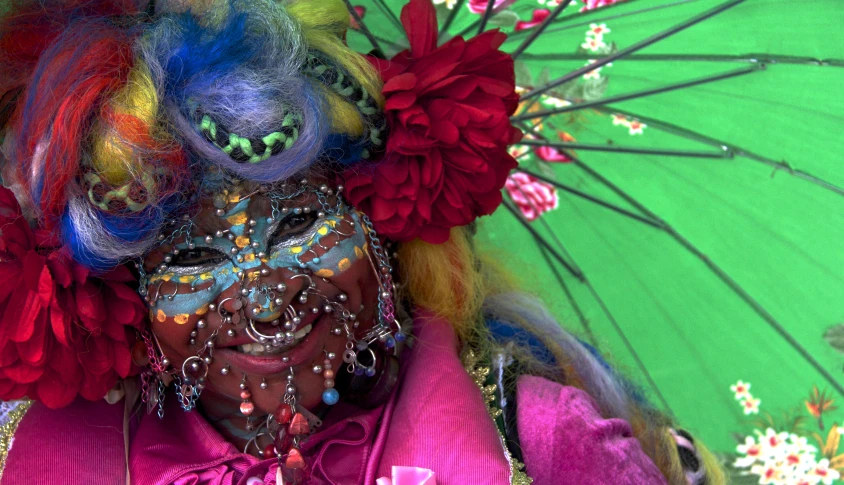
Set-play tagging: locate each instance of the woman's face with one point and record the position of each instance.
(290, 269)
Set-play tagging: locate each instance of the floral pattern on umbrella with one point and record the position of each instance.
(778, 451)
(532, 196)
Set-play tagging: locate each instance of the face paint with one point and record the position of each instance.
(243, 257)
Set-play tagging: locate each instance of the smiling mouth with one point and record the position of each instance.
(269, 348)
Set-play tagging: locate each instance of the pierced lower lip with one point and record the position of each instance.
(273, 364)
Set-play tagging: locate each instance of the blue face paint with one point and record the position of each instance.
(286, 254)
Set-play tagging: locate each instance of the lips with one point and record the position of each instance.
(275, 363)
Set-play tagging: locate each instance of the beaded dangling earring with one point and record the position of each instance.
(330, 395)
(246, 407)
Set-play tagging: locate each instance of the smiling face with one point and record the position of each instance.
(262, 283)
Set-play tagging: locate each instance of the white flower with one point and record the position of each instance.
(555, 102)
(827, 475)
(770, 472)
(637, 128)
(448, 3)
(598, 30)
(593, 44)
(774, 445)
(752, 450)
(742, 390)
(593, 74)
(620, 120)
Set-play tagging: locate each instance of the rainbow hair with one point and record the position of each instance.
(117, 112)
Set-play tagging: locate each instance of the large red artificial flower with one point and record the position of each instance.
(63, 333)
(448, 112)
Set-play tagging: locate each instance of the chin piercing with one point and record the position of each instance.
(225, 370)
(264, 384)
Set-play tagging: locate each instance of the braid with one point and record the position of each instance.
(344, 85)
(242, 149)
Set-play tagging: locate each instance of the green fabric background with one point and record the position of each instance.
(777, 235)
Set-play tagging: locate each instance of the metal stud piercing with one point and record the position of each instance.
(264, 384)
(225, 370)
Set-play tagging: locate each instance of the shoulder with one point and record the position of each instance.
(562, 434)
(37, 440)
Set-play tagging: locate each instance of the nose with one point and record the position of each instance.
(265, 294)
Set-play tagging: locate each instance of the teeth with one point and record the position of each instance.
(303, 331)
(261, 349)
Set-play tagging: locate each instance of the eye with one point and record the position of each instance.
(292, 226)
(198, 257)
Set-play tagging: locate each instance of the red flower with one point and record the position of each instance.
(539, 15)
(531, 195)
(62, 332)
(448, 112)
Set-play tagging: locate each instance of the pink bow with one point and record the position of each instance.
(409, 475)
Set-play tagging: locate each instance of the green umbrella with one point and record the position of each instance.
(682, 206)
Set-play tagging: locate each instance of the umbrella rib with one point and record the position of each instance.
(751, 58)
(727, 147)
(630, 348)
(390, 14)
(561, 20)
(541, 27)
(577, 274)
(450, 19)
(475, 24)
(363, 28)
(584, 322)
(637, 94)
(487, 14)
(633, 48)
(620, 149)
(723, 276)
(592, 198)
(543, 246)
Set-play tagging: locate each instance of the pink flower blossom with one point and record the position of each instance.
(532, 196)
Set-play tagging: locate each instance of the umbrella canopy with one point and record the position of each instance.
(680, 195)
